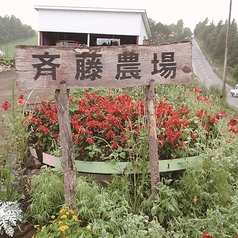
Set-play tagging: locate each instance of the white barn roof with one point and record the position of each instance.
(94, 20)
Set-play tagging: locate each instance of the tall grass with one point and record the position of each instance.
(9, 48)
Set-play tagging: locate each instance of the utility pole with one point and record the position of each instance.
(226, 53)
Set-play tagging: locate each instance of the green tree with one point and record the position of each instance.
(233, 45)
(200, 29)
(169, 33)
(160, 32)
(211, 39)
(219, 50)
(12, 29)
(235, 73)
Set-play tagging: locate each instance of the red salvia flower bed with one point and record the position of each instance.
(104, 126)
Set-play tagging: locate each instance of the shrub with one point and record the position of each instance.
(47, 194)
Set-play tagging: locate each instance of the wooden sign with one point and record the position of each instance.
(40, 67)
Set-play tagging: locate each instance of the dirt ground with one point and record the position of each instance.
(7, 79)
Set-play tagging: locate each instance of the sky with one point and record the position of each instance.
(164, 11)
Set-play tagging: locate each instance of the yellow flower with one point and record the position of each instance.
(53, 217)
(43, 228)
(195, 199)
(63, 228)
(36, 226)
(62, 210)
(71, 211)
(75, 218)
(63, 217)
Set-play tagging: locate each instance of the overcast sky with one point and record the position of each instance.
(164, 11)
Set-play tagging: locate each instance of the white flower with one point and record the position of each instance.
(10, 214)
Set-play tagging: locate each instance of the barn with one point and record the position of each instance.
(91, 26)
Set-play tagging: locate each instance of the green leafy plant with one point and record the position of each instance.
(220, 221)
(129, 225)
(13, 151)
(10, 215)
(47, 194)
(165, 205)
(205, 184)
(108, 213)
(6, 61)
(176, 212)
(13, 184)
(87, 198)
(14, 133)
(207, 194)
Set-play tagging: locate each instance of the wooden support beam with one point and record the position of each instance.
(153, 142)
(68, 155)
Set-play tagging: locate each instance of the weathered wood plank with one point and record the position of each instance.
(68, 156)
(104, 66)
(153, 141)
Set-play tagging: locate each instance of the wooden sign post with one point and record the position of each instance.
(68, 155)
(40, 67)
(153, 142)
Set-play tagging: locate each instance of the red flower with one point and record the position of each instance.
(232, 122)
(206, 235)
(111, 135)
(200, 113)
(206, 99)
(89, 140)
(234, 130)
(123, 137)
(44, 129)
(198, 97)
(92, 124)
(182, 144)
(75, 125)
(213, 120)
(76, 138)
(220, 115)
(20, 99)
(6, 105)
(184, 110)
(197, 90)
(56, 135)
(100, 115)
(114, 145)
(35, 120)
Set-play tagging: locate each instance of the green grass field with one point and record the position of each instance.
(9, 48)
